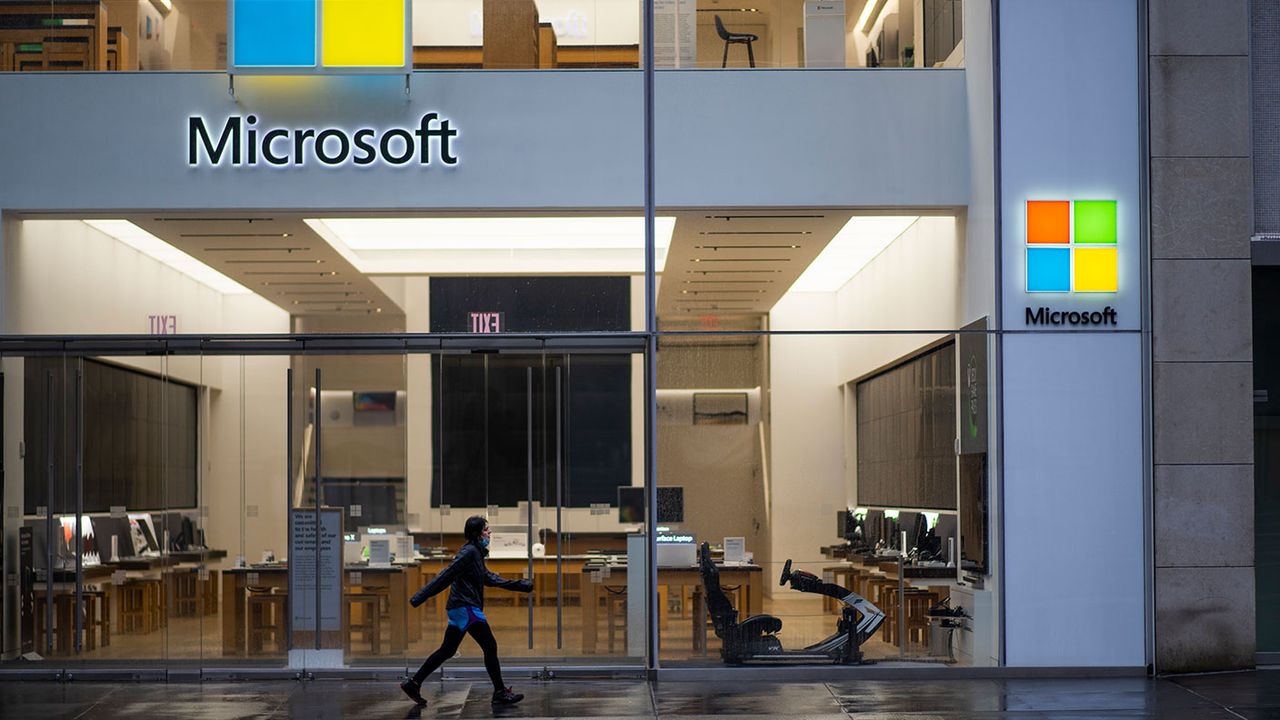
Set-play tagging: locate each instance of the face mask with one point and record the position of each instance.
(484, 542)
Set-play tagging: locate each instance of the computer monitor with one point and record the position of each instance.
(918, 534)
(670, 504)
(630, 504)
(873, 527)
(946, 528)
(906, 523)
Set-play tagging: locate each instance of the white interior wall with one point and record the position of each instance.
(806, 465)
(913, 284)
(857, 42)
(110, 288)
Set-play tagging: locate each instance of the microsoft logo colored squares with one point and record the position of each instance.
(1048, 222)
(1048, 269)
(274, 33)
(363, 33)
(1072, 246)
(1096, 270)
(1095, 222)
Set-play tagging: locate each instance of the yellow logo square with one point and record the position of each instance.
(1096, 269)
(363, 33)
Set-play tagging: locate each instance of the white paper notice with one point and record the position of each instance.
(735, 550)
(302, 570)
(675, 33)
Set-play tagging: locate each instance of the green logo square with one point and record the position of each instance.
(1095, 222)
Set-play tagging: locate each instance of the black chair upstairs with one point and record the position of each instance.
(731, 38)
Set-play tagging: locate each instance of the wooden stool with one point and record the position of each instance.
(889, 605)
(267, 618)
(209, 593)
(876, 589)
(615, 607)
(701, 621)
(64, 621)
(918, 602)
(186, 592)
(139, 610)
(371, 625)
(97, 618)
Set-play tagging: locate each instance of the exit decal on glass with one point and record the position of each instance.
(1072, 246)
(486, 322)
(319, 34)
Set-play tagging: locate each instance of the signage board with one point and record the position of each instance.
(309, 578)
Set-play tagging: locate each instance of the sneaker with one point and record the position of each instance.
(413, 690)
(506, 697)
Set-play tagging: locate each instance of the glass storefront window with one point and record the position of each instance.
(787, 466)
(192, 35)
(292, 403)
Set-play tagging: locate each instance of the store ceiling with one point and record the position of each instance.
(274, 255)
(723, 268)
(738, 262)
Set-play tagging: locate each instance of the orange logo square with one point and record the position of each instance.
(1048, 222)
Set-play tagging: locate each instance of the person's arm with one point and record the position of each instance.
(443, 579)
(493, 579)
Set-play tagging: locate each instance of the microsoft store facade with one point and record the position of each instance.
(873, 301)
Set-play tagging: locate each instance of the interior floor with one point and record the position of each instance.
(200, 638)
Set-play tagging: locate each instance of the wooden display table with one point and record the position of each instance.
(747, 577)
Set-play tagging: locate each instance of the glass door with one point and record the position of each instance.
(539, 444)
(590, 581)
(349, 430)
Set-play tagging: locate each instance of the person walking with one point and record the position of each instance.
(466, 578)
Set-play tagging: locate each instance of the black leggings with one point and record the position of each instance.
(483, 636)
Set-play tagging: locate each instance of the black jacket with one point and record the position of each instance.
(466, 577)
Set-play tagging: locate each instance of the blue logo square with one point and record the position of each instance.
(1048, 269)
(275, 33)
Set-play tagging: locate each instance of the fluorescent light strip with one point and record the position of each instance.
(497, 233)
(870, 13)
(857, 244)
(495, 245)
(161, 251)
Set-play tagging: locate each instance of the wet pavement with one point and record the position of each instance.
(1249, 695)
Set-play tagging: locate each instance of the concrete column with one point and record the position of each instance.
(1201, 332)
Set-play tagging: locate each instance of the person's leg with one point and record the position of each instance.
(448, 647)
(483, 636)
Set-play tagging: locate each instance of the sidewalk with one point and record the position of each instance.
(1252, 695)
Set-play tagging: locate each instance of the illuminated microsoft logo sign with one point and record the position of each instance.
(1071, 246)
(313, 34)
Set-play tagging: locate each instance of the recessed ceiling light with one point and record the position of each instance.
(857, 244)
(495, 244)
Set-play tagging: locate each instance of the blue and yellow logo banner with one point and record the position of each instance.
(318, 35)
